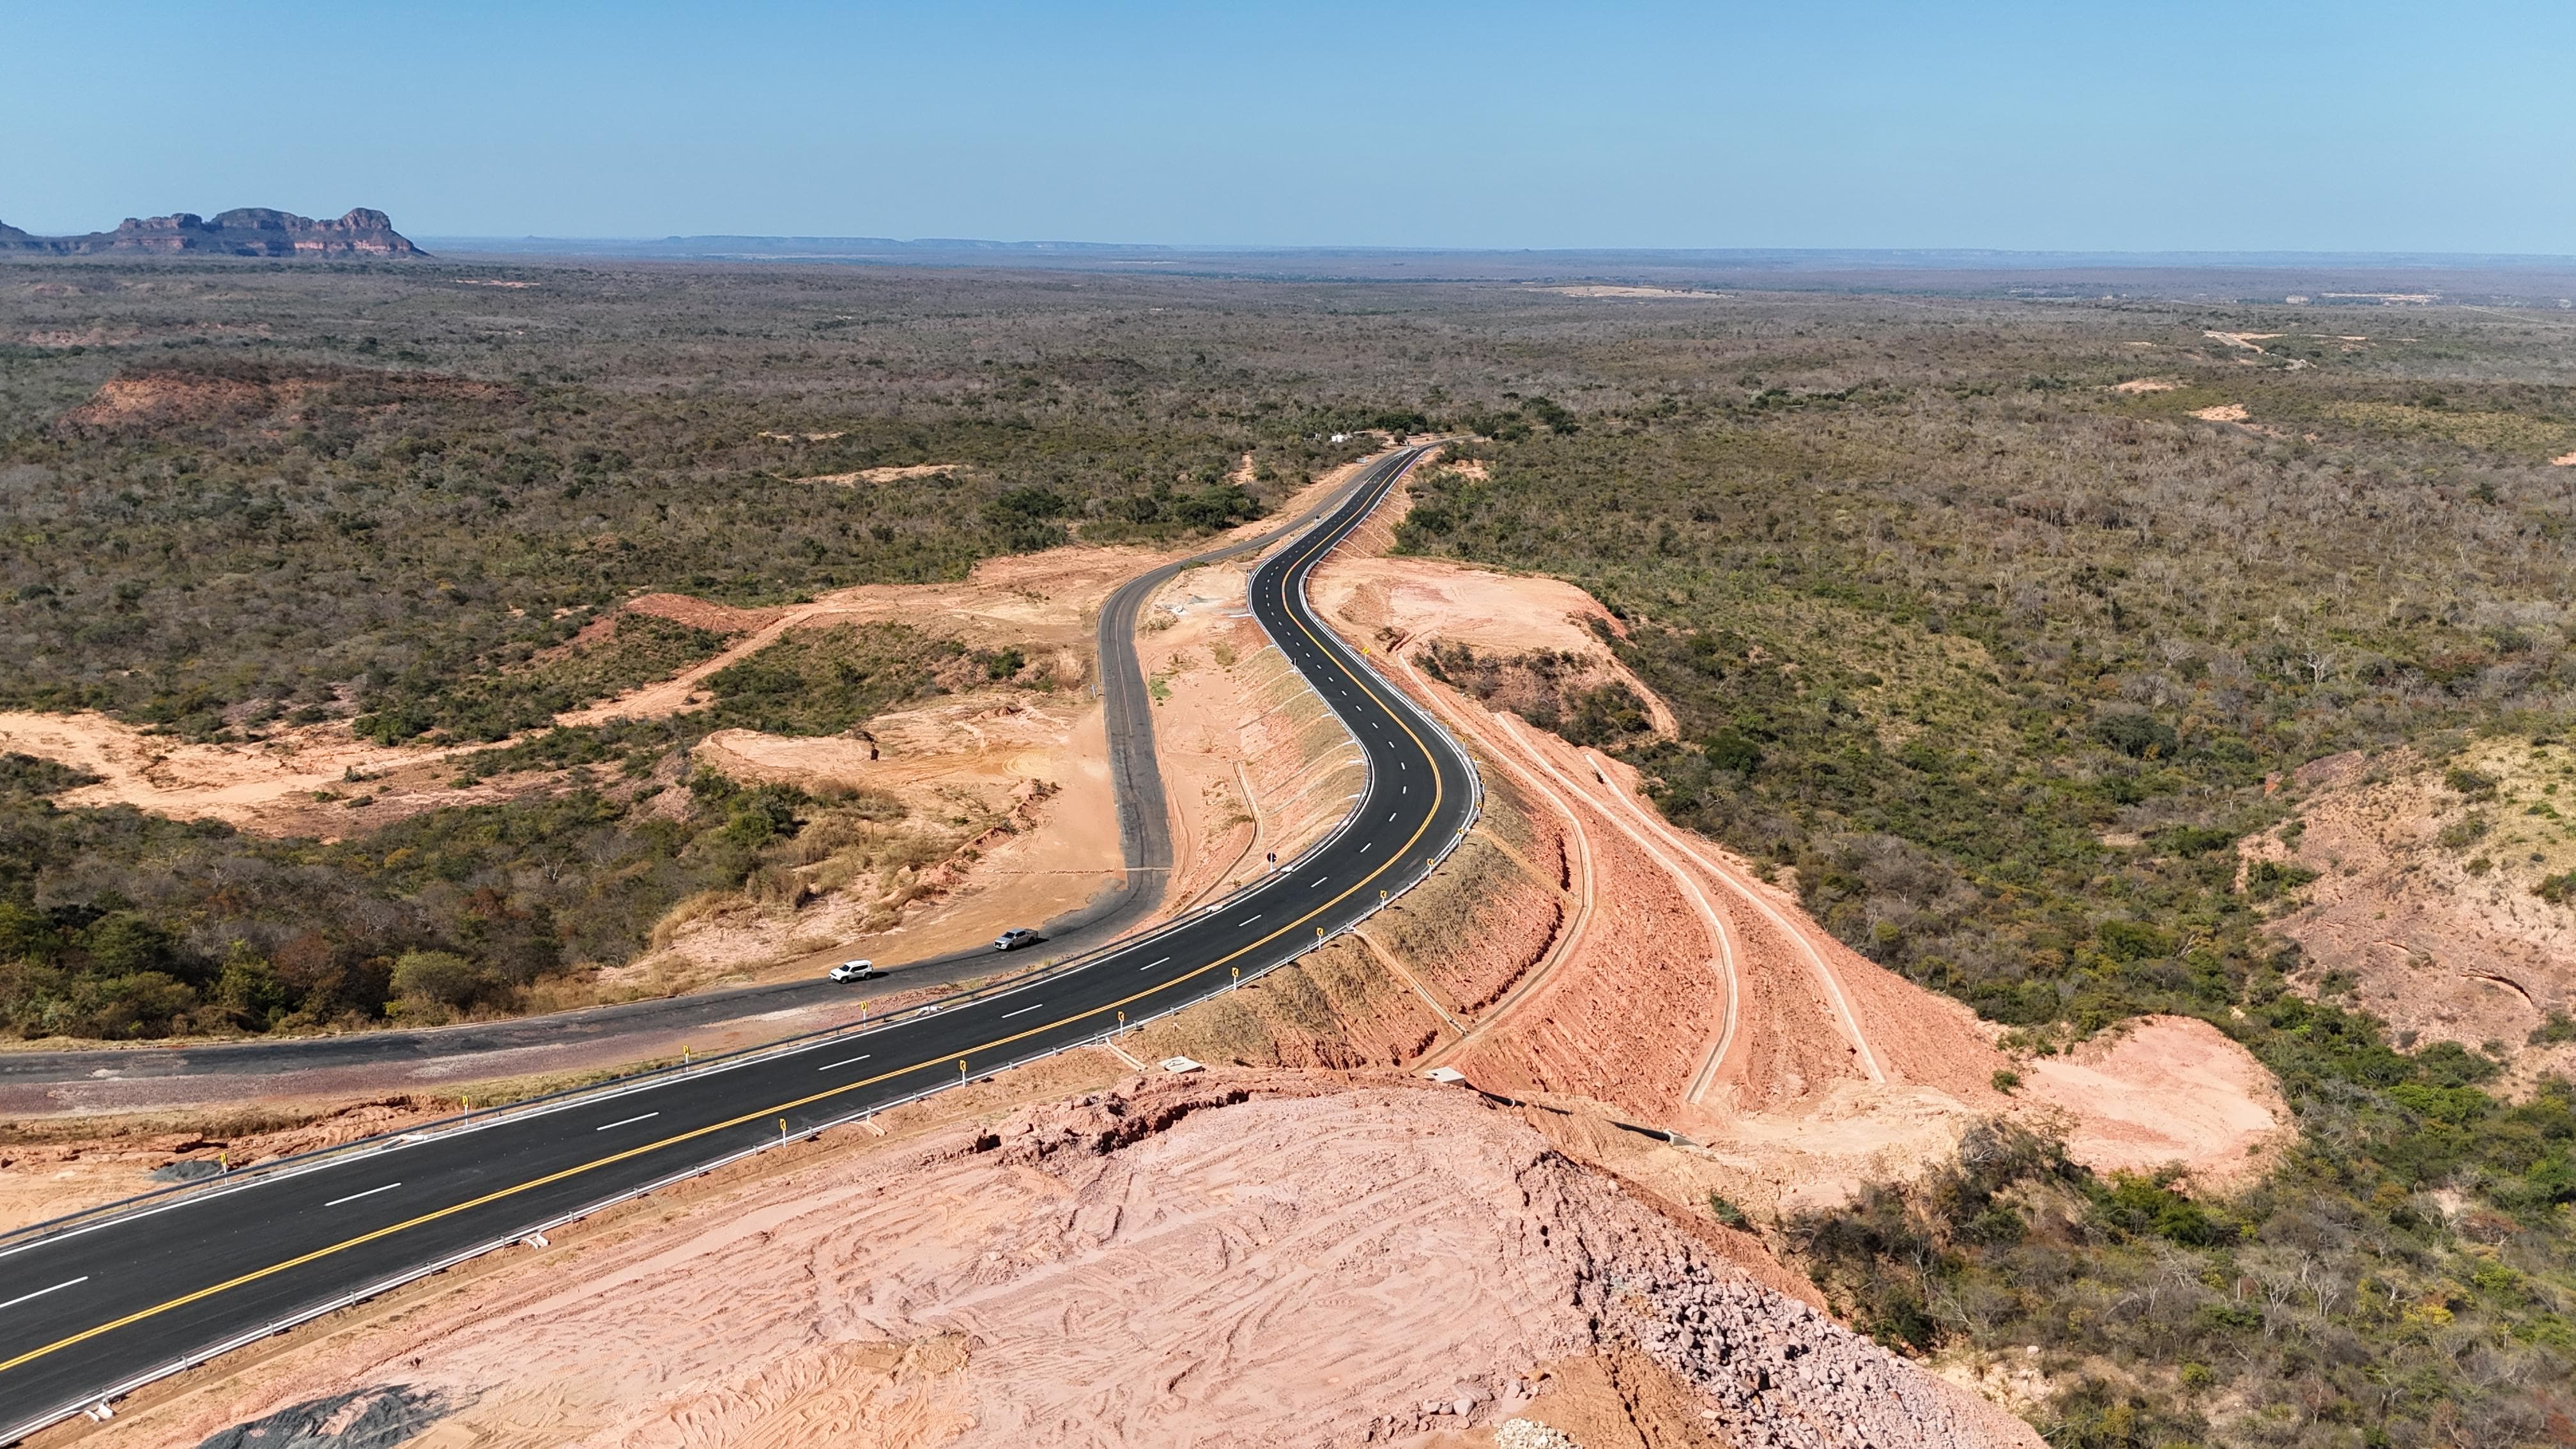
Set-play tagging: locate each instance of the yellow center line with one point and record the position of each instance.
(554, 1177)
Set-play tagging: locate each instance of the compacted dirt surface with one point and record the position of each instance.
(1168, 1261)
(2165, 1089)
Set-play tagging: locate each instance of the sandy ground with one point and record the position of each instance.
(270, 787)
(2564, 460)
(1018, 780)
(2428, 899)
(2222, 413)
(1013, 787)
(1491, 613)
(2166, 1090)
(679, 609)
(2144, 384)
(46, 1174)
(1166, 1262)
(875, 475)
(2253, 342)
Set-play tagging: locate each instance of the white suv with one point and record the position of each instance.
(854, 971)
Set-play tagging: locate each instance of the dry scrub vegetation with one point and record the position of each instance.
(1983, 626)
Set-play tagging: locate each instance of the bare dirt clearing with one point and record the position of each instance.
(2428, 899)
(874, 475)
(1433, 602)
(53, 1169)
(2163, 1091)
(269, 787)
(1009, 815)
(1170, 1262)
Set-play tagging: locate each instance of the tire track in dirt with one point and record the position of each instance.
(1724, 961)
(1567, 939)
(1826, 976)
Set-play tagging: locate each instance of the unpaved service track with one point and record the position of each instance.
(94, 1311)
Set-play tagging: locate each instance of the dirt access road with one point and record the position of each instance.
(144, 1078)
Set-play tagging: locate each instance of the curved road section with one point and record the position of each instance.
(1145, 844)
(100, 1309)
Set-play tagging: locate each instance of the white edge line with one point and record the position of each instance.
(41, 1292)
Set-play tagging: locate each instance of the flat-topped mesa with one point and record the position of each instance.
(249, 231)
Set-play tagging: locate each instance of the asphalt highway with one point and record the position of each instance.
(97, 1310)
(1144, 835)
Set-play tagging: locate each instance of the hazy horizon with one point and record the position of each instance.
(2001, 124)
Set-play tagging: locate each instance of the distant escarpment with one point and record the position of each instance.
(250, 231)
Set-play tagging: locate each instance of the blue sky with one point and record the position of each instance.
(2354, 126)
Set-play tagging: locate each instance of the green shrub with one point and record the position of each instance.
(2470, 783)
(440, 978)
(2271, 879)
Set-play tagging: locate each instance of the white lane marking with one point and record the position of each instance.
(1150, 965)
(628, 1122)
(1248, 920)
(1023, 1011)
(1325, 881)
(370, 1192)
(41, 1292)
(1364, 848)
(827, 1066)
